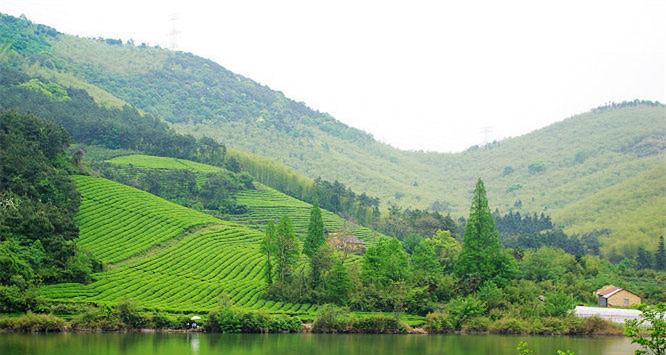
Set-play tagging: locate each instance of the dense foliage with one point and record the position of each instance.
(213, 192)
(38, 201)
(90, 123)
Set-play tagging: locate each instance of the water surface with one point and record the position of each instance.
(302, 344)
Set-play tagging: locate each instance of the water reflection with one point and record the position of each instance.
(302, 344)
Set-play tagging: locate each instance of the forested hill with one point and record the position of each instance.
(575, 161)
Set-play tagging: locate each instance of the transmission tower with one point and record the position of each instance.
(173, 33)
(486, 134)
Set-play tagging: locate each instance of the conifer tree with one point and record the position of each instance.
(314, 242)
(315, 238)
(482, 257)
(660, 262)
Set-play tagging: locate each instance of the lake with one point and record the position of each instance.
(302, 344)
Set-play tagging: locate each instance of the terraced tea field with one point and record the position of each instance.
(267, 204)
(264, 204)
(117, 222)
(167, 256)
(153, 162)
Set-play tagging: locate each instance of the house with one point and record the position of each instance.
(613, 296)
(347, 243)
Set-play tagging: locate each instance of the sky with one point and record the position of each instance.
(418, 75)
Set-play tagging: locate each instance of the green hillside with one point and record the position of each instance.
(264, 203)
(632, 211)
(574, 162)
(164, 255)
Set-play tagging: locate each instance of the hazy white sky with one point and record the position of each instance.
(425, 75)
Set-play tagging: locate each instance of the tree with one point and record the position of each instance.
(482, 256)
(286, 250)
(314, 241)
(268, 247)
(654, 317)
(446, 248)
(425, 268)
(338, 285)
(643, 259)
(660, 257)
(384, 263)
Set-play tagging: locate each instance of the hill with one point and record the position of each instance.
(164, 255)
(548, 170)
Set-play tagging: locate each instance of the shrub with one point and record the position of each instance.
(378, 324)
(95, 318)
(461, 309)
(477, 324)
(162, 321)
(509, 325)
(65, 308)
(224, 320)
(330, 319)
(11, 300)
(536, 167)
(558, 304)
(32, 322)
(227, 319)
(438, 322)
(596, 325)
(130, 315)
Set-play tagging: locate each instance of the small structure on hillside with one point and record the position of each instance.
(613, 296)
(347, 243)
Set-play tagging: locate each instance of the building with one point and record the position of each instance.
(613, 296)
(347, 243)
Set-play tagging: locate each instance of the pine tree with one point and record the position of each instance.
(660, 262)
(315, 238)
(482, 257)
(268, 248)
(312, 247)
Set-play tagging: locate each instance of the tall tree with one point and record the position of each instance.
(315, 238)
(482, 257)
(286, 250)
(660, 262)
(268, 247)
(314, 242)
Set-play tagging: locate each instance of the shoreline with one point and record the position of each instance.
(305, 330)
